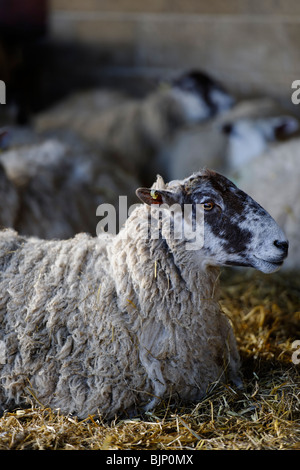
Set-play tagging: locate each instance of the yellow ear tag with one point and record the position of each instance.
(153, 194)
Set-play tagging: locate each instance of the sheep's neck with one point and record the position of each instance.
(192, 273)
(143, 266)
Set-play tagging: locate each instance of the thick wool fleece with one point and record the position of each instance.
(108, 324)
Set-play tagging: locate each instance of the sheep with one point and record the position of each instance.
(54, 191)
(227, 142)
(273, 180)
(115, 324)
(45, 199)
(136, 130)
(50, 174)
(249, 139)
(24, 162)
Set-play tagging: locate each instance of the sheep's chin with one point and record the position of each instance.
(265, 266)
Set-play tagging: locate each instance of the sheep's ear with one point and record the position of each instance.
(155, 196)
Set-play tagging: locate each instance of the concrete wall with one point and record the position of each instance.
(252, 45)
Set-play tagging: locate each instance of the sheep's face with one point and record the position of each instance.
(203, 96)
(249, 138)
(237, 230)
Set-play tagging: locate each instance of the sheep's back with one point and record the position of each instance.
(56, 315)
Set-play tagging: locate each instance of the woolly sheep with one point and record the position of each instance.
(23, 162)
(115, 324)
(63, 180)
(54, 190)
(46, 199)
(226, 142)
(136, 130)
(273, 180)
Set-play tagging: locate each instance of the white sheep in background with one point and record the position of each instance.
(24, 162)
(54, 190)
(227, 142)
(115, 324)
(136, 130)
(47, 201)
(250, 138)
(61, 181)
(273, 180)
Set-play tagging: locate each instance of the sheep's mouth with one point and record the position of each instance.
(267, 266)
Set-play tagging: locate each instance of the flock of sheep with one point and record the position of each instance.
(114, 324)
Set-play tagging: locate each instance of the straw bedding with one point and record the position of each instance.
(265, 311)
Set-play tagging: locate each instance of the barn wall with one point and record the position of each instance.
(253, 46)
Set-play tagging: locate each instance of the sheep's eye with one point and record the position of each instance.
(208, 206)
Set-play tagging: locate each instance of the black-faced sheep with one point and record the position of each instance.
(116, 323)
(227, 142)
(250, 138)
(136, 130)
(60, 182)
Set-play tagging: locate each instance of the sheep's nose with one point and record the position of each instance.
(283, 246)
